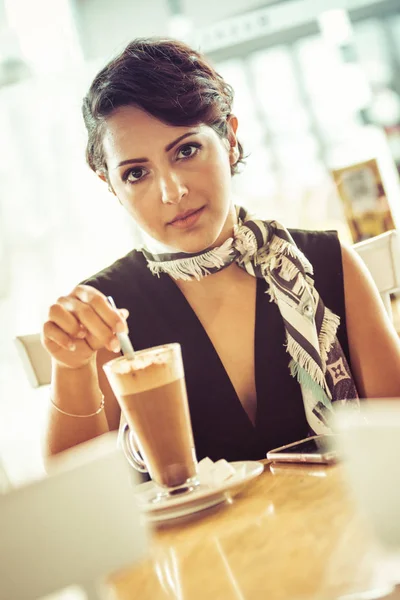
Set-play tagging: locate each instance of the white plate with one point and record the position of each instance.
(200, 498)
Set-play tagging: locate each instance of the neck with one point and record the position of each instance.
(227, 230)
(216, 284)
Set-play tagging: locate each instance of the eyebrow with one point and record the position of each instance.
(168, 147)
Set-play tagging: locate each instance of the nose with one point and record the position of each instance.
(172, 188)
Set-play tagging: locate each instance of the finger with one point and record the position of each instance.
(53, 333)
(94, 343)
(61, 316)
(89, 318)
(82, 333)
(101, 305)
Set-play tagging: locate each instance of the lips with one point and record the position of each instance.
(185, 215)
(187, 219)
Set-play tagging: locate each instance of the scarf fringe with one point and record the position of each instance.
(327, 333)
(245, 243)
(305, 361)
(305, 380)
(281, 246)
(288, 272)
(195, 266)
(286, 268)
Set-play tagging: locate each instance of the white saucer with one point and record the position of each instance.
(200, 498)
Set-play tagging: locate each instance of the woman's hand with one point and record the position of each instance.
(80, 324)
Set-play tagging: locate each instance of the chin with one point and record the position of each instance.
(194, 242)
(190, 247)
(210, 232)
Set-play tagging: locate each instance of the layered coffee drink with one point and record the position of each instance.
(151, 391)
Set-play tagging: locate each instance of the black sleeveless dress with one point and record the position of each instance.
(159, 314)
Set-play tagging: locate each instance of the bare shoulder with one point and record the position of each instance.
(359, 285)
(373, 342)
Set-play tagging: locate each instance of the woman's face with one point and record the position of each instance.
(174, 181)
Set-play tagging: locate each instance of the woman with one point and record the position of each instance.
(162, 136)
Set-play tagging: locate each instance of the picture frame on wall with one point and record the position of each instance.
(364, 198)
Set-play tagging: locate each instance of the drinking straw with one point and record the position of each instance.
(123, 338)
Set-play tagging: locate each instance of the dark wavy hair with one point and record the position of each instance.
(168, 80)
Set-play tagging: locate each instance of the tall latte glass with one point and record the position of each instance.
(151, 390)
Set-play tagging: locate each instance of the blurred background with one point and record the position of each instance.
(318, 100)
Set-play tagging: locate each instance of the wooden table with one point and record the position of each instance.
(291, 534)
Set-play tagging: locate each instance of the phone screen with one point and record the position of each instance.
(320, 445)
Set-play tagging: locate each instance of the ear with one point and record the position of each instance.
(232, 125)
(103, 176)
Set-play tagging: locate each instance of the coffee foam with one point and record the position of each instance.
(144, 372)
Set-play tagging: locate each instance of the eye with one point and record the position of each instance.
(134, 175)
(188, 150)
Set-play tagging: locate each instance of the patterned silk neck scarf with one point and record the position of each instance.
(266, 249)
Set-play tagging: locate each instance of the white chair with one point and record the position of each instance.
(5, 483)
(381, 255)
(35, 359)
(74, 527)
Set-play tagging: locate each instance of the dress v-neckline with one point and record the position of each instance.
(181, 314)
(185, 310)
(221, 425)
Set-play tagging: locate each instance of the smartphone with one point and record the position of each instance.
(316, 449)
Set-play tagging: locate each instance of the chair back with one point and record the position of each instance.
(381, 255)
(5, 484)
(73, 527)
(35, 359)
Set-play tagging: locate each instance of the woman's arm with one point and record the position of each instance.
(373, 342)
(75, 391)
(80, 335)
